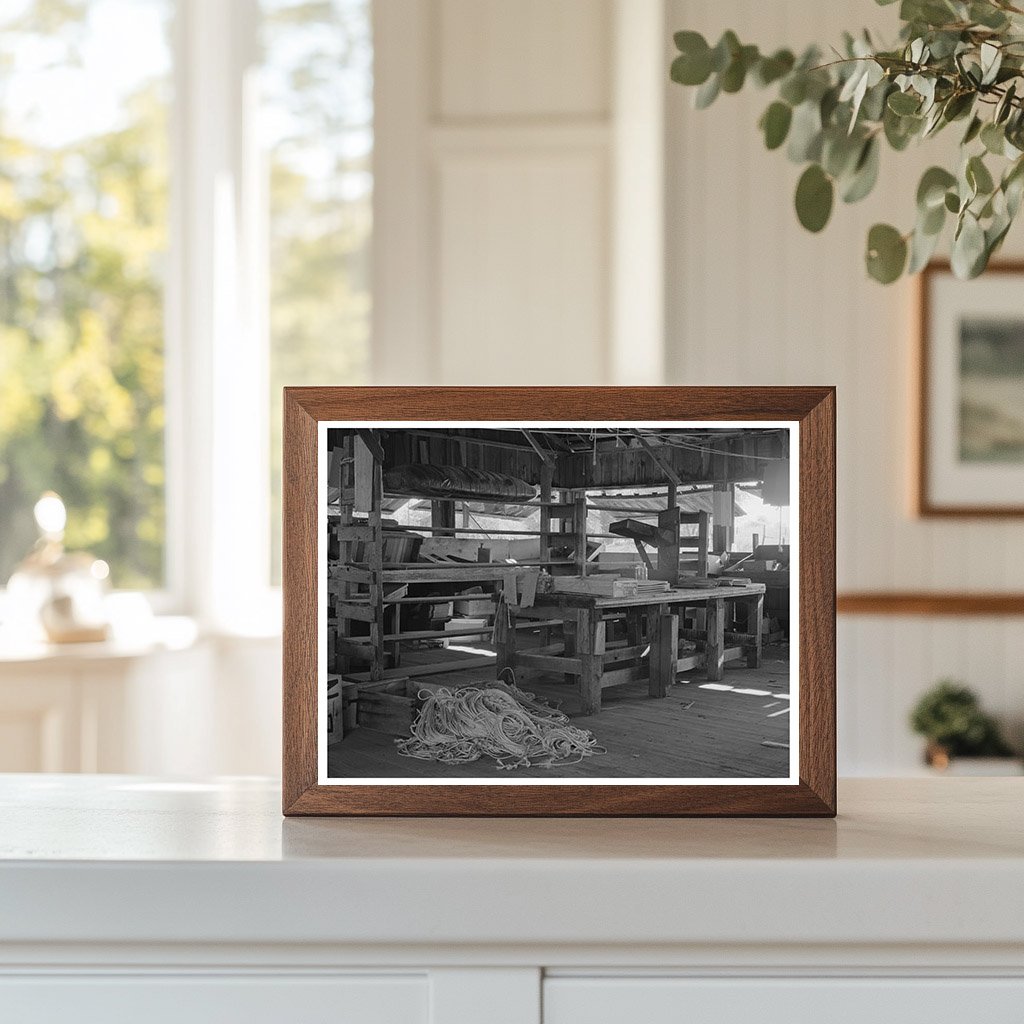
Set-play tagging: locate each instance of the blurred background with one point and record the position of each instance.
(202, 201)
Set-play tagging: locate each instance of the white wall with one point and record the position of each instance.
(504, 136)
(754, 299)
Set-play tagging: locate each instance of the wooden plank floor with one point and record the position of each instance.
(694, 732)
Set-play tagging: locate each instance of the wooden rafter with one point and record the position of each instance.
(670, 473)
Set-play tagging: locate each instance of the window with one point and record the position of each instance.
(317, 117)
(83, 236)
(167, 264)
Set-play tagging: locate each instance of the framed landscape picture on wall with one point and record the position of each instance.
(566, 601)
(971, 393)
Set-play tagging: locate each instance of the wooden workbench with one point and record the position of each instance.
(586, 655)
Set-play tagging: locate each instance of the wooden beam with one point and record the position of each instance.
(415, 671)
(369, 438)
(672, 476)
(635, 530)
(646, 558)
(545, 456)
(548, 663)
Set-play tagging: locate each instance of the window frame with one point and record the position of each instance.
(217, 350)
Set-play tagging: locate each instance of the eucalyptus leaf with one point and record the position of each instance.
(886, 253)
(973, 130)
(724, 51)
(987, 15)
(840, 152)
(991, 60)
(707, 93)
(993, 138)
(932, 221)
(931, 190)
(691, 70)
(1005, 105)
(794, 88)
(775, 124)
(922, 247)
(814, 195)
(958, 105)
(875, 98)
(904, 103)
(978, 176)
(968, 247)
(735, 74)
(865, 174)
(771, 69)
(900, 130)
(805, 133)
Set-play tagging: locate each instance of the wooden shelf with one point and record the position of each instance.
(431, 599)
(485, 532)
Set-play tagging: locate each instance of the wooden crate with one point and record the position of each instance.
(391, 706)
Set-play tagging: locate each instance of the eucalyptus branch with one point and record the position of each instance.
(955, 59)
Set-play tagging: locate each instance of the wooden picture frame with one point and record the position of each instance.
(941, 489)
(809, 414)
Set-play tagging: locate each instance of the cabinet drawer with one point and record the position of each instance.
(222, 999)
(675, 1000)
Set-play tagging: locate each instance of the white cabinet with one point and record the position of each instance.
(126, 899)
(205, 999)
(828, 1000)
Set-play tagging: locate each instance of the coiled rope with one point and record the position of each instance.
(499, 721)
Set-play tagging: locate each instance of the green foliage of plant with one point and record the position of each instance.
(949, 715)
(956, 61)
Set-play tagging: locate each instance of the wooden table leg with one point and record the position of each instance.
(664, 654)
(570, 625)
(634, 627)
(755, 618)
(590, 647)
(715, 650)
(505, 636)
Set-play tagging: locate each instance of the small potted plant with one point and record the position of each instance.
(950, 717)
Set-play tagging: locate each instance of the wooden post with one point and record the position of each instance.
(664, 652)
(442, 517)
(590, 637)
(714, 653)
(702, 542)
(546, 476)
(339, 588)
(755, 618)
(722, 519)
(668, 546)
(375, 563)
(579, 522)
(362, 484)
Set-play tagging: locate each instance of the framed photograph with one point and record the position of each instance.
(559, 601)
(971, 393)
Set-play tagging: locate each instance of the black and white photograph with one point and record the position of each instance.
(551, 601)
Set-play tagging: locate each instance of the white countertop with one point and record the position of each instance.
(120, 859)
